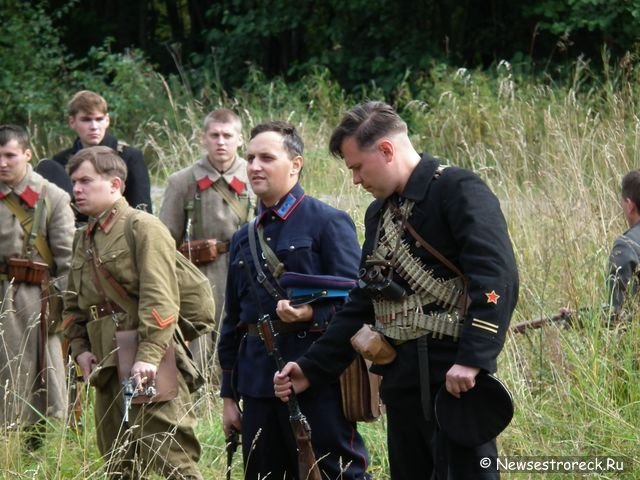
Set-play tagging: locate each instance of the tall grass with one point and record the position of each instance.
(554, 154)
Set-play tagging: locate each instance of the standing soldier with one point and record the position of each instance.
(89, 118)
(299, 234)
(438, 278)
(123, 280)
(204, 204)
(36, 231)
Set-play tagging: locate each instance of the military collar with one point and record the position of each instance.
(418, 183)
(285, 207)
(107, 219)
(108, 141)
(28, 189)
(419, 180)
(206, 175)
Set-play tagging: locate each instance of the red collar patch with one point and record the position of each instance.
(29, 196)
(204, 183)
(492, 297)
(237, 185)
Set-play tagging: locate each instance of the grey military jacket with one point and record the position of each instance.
(214, 219)
(623, 267)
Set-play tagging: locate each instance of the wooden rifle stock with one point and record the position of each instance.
(564, 319)
(307, 465)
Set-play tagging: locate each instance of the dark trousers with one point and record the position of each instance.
(418, 450)
(269, 448)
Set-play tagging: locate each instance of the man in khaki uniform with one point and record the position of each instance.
(211, 199)
(161, 435)
(36, 225)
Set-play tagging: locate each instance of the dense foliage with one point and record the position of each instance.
(54, 47)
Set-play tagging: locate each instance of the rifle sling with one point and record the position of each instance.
(262, 279)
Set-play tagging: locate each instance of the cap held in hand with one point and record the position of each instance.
(479, 415)
(303, 288)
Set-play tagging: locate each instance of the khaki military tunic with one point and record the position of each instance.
(164, 431)
(217, 220)
(24, 397)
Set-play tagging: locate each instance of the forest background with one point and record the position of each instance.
(539, 98)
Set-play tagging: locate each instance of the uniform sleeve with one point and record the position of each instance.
(229, 342)
(74, 320)
(623, 262)
(172, 209)
(486, 258)
(159, 297)
(340, 258)
(138, 186)
(60, 230)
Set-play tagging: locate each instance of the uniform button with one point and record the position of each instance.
(273, 217)
(292, 247)
(240, 263)
(268, 239)
(418, 245)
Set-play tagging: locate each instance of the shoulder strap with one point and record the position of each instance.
(31, 224)
(108, 286)
(260, 275)
(241, 209)
(464, 298)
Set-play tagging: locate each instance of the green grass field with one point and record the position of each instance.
(554, 155)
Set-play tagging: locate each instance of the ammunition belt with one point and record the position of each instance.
(405, 320)
(410, 268)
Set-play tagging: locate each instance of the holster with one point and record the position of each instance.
(360, 391)
(25, 270)
(166, 382)
(201, 252)
(373, 346)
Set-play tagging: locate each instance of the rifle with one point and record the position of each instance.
(565, 319)
(232, 440)
(307, 465)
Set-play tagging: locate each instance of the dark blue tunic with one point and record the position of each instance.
(309, 237)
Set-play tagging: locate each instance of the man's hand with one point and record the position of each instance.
(144, 374)
(290, 380)
(231, 417)
(461, 379)
(289, 314)
(86, 361)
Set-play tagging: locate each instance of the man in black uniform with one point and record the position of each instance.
(89, 118)
(439, 277)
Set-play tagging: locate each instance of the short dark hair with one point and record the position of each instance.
(14, 132)
(292, 140)
(631, 187)
(366, 123)
(104, 159)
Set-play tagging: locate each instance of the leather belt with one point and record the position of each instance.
(107, 308)
(279, 326)
(222, 247)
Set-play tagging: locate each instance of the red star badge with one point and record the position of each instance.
(492, 297)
